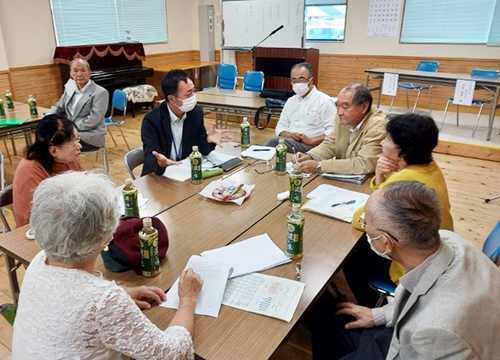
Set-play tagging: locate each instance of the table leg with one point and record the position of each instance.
(493, 110)
(11, 272)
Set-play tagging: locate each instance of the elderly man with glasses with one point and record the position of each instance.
(446, 305)
(307, 116)
(354, 145)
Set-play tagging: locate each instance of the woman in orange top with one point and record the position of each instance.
(54, 151)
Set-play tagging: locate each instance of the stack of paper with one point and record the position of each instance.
(265, 153)
(255, 254)
(335, 202)
(354, 179)
(214, 278)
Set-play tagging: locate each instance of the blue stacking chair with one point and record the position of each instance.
(226, 76)
(253, 81)
(430, 66)
(491, 248)
(118, 102)
(485, 73)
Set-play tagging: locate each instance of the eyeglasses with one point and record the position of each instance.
(300, 80)
(75, 144)
(364, 225)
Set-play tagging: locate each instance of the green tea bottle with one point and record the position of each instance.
(196, 171)
(130, 199)
(281, 158)
(32, 105)
(296, 178)
(245, 133)
(295, 230)
(8, 100)
(2, 109)
(150, 257)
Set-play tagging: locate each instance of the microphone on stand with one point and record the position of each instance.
(272, 33)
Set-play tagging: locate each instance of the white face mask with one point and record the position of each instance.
(370, 241)
(301, 88)
(187, 104)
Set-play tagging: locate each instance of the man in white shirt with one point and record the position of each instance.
(308, 116)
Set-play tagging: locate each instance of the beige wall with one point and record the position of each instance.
(27, 35)
(357, 43)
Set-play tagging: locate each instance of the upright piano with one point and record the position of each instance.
(113, 65)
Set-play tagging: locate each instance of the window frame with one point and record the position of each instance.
(325, 40)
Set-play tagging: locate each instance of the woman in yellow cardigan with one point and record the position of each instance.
(406, 155)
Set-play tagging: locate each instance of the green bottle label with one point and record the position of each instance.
(10, 103)
(33, 109)
(294, 238)
(196, 172)
(281, 160)
(245, 135)
(295, 190)
(150, 258)
(131, 204)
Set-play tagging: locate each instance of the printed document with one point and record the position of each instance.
(214, 278)
(255, 254)
(264, 294)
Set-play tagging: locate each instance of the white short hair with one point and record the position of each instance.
(73, 214)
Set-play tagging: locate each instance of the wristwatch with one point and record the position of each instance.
(318, 169)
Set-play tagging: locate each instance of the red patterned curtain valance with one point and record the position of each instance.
(64, 54)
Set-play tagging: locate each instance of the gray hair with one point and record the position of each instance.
(83, 61)
(361, 95)
(305, 65)
(73, 214)
(410, 211)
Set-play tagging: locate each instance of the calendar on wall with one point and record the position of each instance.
(383, 18)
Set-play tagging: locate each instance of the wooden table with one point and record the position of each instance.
(489, 84)
(195, 66)
(196, 224)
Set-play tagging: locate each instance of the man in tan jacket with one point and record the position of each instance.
(354, 146)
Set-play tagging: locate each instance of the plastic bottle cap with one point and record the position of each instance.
(146, 222)
(295, 207)
(195, 147)
(296, 166)
(245, 118)
(128, 181)
(281, 141)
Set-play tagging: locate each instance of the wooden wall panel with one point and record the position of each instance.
(338, 70)
(43, 81)
(4, 83)
(155, 60)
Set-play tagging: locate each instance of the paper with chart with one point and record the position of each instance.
(255, 254)
(383, 18)
(214, 278)
(335, 202)
(264, 294)
(464, 92)
(182, 172)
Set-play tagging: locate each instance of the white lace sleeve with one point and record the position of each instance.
(124, 328)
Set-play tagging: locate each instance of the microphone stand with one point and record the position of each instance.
(268, 36)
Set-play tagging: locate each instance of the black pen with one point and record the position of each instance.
(350, 202)
(261, 150)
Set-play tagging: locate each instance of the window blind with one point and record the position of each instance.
(494, 36)
(83, 22)
(447, 21)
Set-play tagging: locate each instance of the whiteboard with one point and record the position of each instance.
(247, 22)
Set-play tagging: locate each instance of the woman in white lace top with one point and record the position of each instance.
(66, 311)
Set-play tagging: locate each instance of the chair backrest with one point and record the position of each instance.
(5, 200)
(253, 81)
(119, 102)
(491, 247)
(430, 66)
(485, 73)
(133, 159)
(226, 76)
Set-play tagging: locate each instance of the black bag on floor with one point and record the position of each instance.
(275, 98)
